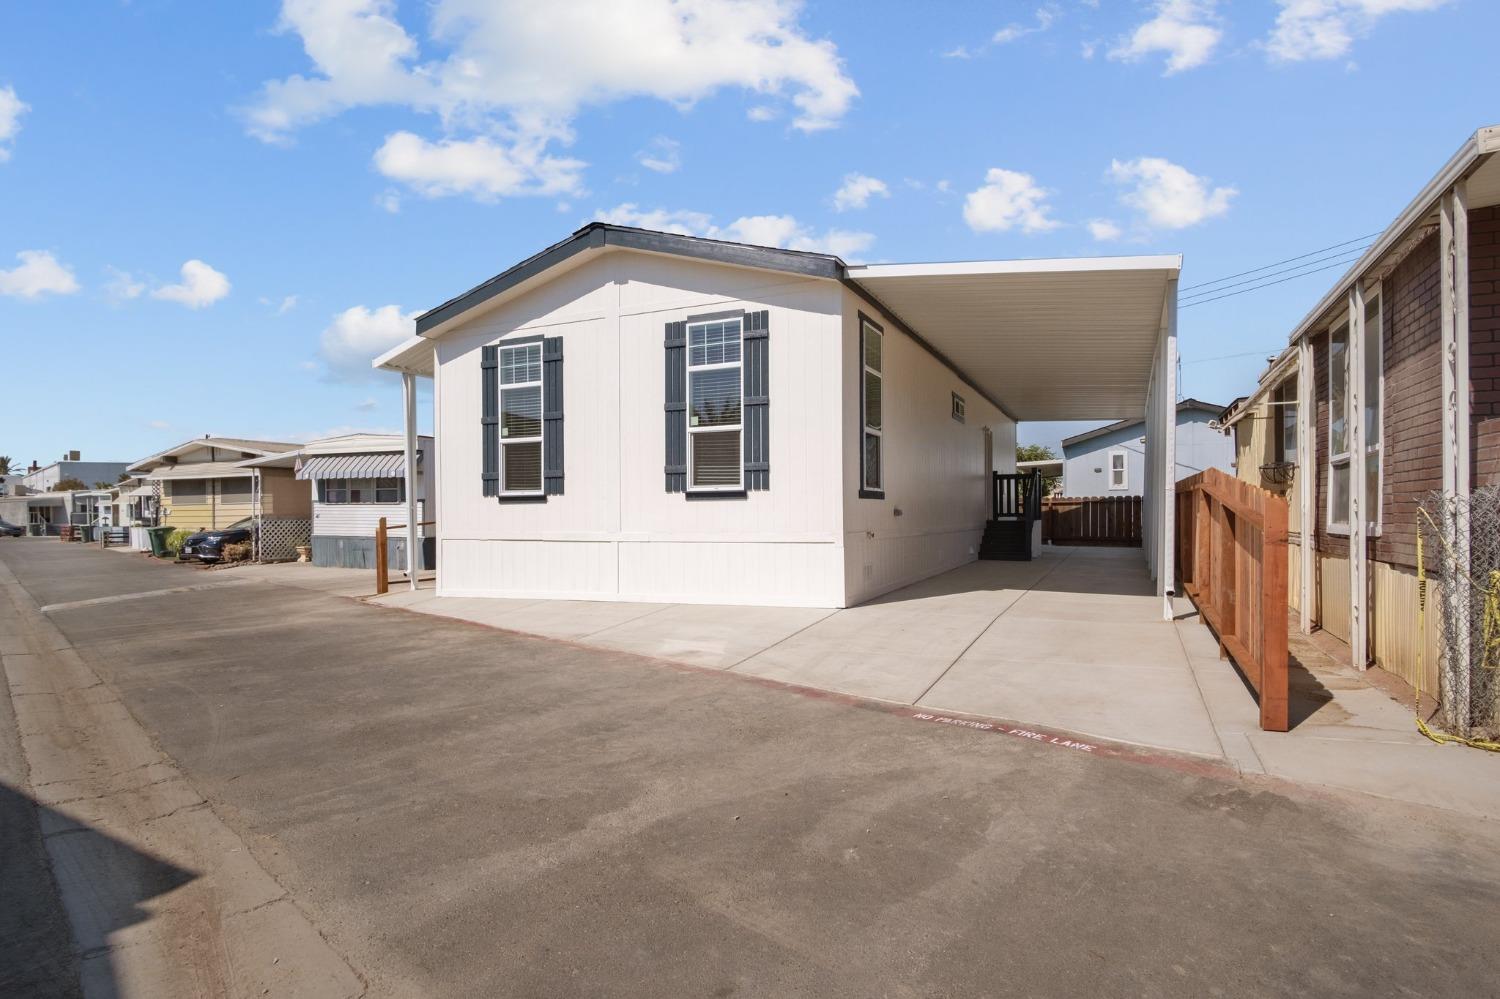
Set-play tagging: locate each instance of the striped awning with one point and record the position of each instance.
(379, 465)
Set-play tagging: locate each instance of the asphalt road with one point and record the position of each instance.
(469, 812)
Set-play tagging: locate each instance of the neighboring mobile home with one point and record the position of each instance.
(632, 415)
(1111, 460)
(203, 485)
(1388, 394)
(354, 480)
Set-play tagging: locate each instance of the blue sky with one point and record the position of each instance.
(212, 215)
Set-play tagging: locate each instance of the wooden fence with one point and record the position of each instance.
(1092, 520)
(1231, 560)
(382, 555)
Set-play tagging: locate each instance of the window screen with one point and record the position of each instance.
(715, 388)
(521, 419)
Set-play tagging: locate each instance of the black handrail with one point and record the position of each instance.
(1017, 496)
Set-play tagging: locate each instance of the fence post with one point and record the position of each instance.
(382, 585)
(1274, 678)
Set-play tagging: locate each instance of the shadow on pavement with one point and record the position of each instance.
(106, 882)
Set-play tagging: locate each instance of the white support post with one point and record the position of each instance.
(413, 539)
(1306, 477)
(1354, 420)
(1167, 460)
(1454, 293)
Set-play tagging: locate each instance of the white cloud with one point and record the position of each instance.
(762, 112)
(857, 190)
(481, 168)
(1326, 29)
(358, 335)
(122, 285)
(680, 221)
(1182, 29)
(506, 78)
(782, 231)
(1168, 196)
(662, 155)
(367, 405)
(39, 273)
(201, 286)
(1045, 15)
(390, 200)
(11, 109)
(1008, 200)
(286, 305)
(1104, 230)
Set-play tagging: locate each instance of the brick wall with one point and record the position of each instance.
(1484, 343)
(1411, 307)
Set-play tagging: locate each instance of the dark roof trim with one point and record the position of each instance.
(1182, 407)
(597, 235)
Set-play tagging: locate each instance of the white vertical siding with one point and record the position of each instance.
(615, 533)
(933, 465)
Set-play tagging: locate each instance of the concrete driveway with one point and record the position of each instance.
(460, 812)
(1072, 641)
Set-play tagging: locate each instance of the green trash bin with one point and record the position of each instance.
(90, 534)
(159, 536)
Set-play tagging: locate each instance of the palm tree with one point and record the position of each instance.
(4, 464)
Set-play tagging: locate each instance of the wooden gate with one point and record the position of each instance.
(1092, 520)
(1231, 560)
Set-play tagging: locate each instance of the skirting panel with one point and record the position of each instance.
(752, 573)
(881, 564)
(344, 552)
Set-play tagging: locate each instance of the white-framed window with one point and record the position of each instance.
(1119, 469)
(1338, 429)
(1284, 425)
(715, 390)
(958, 407)
(337, 491)
(521, 420)
(872, 437)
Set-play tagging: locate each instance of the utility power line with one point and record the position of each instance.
(1278, 263)
(1258, 287)
(1343, 257)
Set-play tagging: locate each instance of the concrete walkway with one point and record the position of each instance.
(1071, 641)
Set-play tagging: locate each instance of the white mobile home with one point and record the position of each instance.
(632, 415)
(354, 480)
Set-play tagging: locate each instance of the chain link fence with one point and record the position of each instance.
(1468, 607)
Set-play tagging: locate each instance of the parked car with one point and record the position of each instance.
(9, 530)
(208, 546)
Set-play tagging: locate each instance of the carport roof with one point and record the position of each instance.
(1067, 339)
(1044, 339)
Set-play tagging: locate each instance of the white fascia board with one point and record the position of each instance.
(391, 359)
(1483, 142)
(1170, 263)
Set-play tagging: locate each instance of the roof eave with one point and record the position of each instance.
(1483, 142)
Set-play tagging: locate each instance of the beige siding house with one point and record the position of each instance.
(200, 484)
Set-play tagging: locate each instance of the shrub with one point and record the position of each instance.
(238, 552)
(175, 540)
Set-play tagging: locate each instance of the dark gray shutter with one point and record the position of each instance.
(756, 404)
(552, 415)
(676, 407)
(489, 420)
